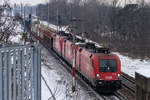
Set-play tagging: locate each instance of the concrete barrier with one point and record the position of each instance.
(142, 79)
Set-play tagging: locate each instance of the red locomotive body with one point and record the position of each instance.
(95, 64)
(68, 51)
(107, 70)
(84, 64)
(100, 67)
(57, 44)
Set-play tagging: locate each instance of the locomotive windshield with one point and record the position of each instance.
(108, 65)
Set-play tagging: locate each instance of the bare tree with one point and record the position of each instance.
(7, 25)
(121, 25)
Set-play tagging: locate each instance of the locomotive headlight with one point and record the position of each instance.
(119, 75)
(97, 75)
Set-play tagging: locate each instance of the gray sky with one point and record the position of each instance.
(35, 2)
(30, 2)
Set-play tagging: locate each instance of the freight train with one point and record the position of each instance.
(97, 65)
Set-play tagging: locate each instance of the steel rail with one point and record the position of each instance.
(53, 96)
(128, 83)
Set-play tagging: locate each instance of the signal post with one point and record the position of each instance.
(73, 20)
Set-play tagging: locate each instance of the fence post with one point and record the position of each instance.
(22, 74)
(1, 78)
(32, 74)
(37, 73)
(14, 76)
(142, 79)
(5, 76)
(9, 75)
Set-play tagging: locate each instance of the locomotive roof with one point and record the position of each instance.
(89, 46)
(69, 36)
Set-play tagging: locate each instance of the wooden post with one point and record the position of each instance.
(142, 79)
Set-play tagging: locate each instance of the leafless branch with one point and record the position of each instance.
(7, 26)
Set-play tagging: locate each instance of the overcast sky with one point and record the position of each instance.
(35, 2)
(30, 2)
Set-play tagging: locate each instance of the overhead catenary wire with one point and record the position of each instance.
(48, 87)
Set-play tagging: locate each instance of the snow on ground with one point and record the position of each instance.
(15, 39)
(15, 28)
(48, 24)
(130, 66)
(63, 28)
(144, 72)
(59, 81)
(17, 34)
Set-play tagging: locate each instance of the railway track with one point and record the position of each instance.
(120, 95)
(116, 96)
(128, 83)
(53, 96)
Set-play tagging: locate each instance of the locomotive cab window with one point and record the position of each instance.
(108, 65)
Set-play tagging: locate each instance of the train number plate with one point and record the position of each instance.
(108, 77)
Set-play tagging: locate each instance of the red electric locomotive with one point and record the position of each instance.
(97, 65)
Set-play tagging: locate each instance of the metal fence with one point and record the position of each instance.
(20, 73)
